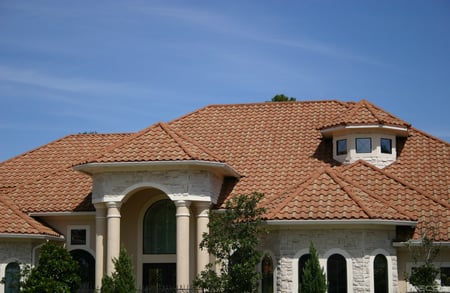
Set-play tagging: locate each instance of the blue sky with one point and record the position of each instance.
(118, 66)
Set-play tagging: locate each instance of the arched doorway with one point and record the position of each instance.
(86, 271)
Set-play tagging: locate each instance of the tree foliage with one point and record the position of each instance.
(314, 280)
(56, 272)
(283, 98)
(233, 240)
(423, 275)
(122, 279)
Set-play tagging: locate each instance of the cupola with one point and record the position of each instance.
(365, 132)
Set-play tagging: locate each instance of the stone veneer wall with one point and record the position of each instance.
(20, 251)
(357, 243)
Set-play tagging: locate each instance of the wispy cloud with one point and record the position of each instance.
(33, 77)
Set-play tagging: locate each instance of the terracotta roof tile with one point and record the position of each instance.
(328, 195)
(157, 143)
(14, 221)
(365, 113)
(428, 209)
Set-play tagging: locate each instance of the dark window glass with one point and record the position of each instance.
(380, 272)
(160, 228)
(267, 274)
(159, 277)
(364, 145)
(301, 265)
(445, 276)
(78, 237)
(386, 145)
(86, 269)
(341, 147)
(337, 274)
(12, 278)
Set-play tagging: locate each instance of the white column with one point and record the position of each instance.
(202, 227)
(183, 216)
(113, 238)
(99, 244)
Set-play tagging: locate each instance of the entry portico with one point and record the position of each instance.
(192, 186)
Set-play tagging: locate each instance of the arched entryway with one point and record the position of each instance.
(86, 270)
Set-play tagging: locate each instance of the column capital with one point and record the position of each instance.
(113, 204)
(182, 203)
(202, 209)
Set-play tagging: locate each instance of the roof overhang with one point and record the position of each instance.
(340, 222)
(31, 236)
(61, 214)
(219, 167)
(398, 130)
(418, 243)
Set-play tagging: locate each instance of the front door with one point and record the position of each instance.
(159, 276)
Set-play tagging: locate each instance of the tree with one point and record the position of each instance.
(233, 240)
(314, 280)
(56, 271)
(283, 98)
(423, 275)
(122, 279)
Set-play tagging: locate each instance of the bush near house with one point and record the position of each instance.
(233, 240)
(56, 272)
(122, 279)
(314, 280)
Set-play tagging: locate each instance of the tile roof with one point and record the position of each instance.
(14, 221)
(328, 195)
(277, 147)
(157, 143)
(365, 113)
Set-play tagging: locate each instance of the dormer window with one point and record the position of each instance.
(363, 145)
(341, 147)
(386, 145)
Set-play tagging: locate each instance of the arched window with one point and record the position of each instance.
(337, 274)
(160, 228)
(267, 274)
(86, 271)
(301, 265)
(12, 278)
(380, 274)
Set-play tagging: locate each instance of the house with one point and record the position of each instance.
(358, 182)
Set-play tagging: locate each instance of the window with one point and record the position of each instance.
(78, 237)
(337, 274)
(341, 147)
(160, 228)
(445, 276)
(380, 271)
(267, 274)
(12, 278)
(301, 265)
(386, 145)
(364, 145)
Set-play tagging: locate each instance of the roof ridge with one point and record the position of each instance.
(373, 106)
(350, 192)
(296, 190)
(395, 178)
(370, 108)
(373, 195)
(175, 134)
(119, 143)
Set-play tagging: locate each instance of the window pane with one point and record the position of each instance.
(12, 276)
(78, 237)
(445, 276)
(341, 147)
(301, 265)
(267, 275)
(364, 145)
(86, 269)
(386, 146)
(160, 228)
(380, 274)
(337, 274)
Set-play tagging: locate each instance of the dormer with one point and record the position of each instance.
(365, 132)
